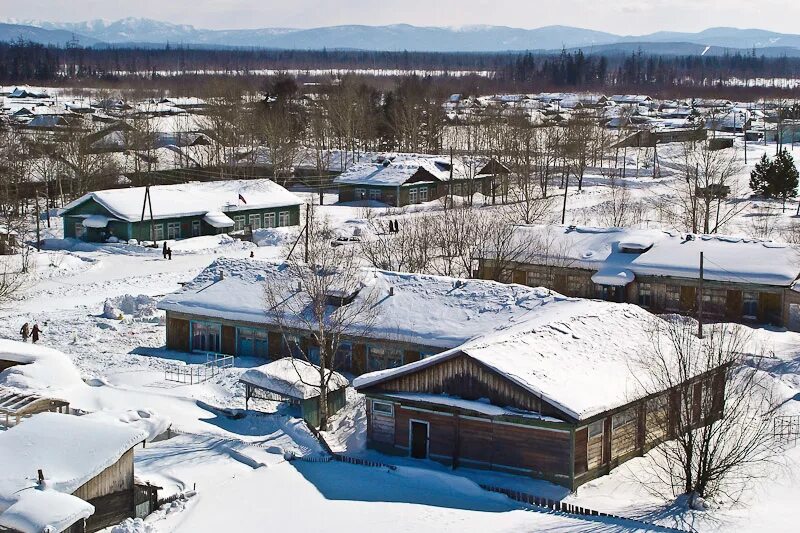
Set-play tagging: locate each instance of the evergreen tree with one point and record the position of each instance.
(760, 178)
(784, 177)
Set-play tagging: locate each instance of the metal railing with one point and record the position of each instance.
(786, 430)
(188, 374)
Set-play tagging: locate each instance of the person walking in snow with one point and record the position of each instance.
(164, 250)
(169, 253)
(25, 331)
(35, 333)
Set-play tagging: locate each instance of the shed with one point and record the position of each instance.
(296, 382)
(14, 406)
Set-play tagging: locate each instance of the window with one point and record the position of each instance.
(537, 279)
(80, 230)
(158, 232)
(714, 301)
(294, 346)
(657, 418)
(750, 305)
(574, 285)
(173, 230)
(423, 194)
(360, 194)
(255, 221)
(381, 358)
(623, 433)
(645, 295)
(238, 222)
(594, 445)
(412, 195)
(206, 336)
(252, 342)
(283, 218)
(269, 220)
(195, 228)
(374, 194)
(672, 298)
(382, 408)
(344, 356)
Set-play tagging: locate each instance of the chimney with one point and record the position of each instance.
(41, 476)
(221, 274)
(391, 291)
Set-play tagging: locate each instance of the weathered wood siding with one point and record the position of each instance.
(111, 492)
(178, 333)
(464, 377)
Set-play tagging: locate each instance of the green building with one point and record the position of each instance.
(180, 211)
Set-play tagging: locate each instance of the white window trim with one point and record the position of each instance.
(390, 413)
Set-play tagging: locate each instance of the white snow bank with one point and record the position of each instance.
(43, 370)
(134, 525)
(141, 306)
(44, 511)
(292, 377)
(142, 419)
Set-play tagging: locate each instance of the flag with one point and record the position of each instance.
(242, 199)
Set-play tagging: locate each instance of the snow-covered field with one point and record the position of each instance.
(234, 469)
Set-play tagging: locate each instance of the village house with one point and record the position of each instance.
(558, 396)
(404, 179)
(744, 280)
(180, 211)
(67, 473)
(224, 310)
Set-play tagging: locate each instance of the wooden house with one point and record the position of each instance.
(744, 280)
(415, 316)
(180, 211)
(85, 472)
(403, 179)
(558, 397)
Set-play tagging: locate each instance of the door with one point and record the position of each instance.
(419, 439)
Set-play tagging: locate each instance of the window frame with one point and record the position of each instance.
(389, 413)
(196, 228)
(257, 218)
(239, 222)
(273, 220)
(157, 232)
(284, 219)
(173, 230)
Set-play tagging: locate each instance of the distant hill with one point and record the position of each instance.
(406, 37)
(13, 32)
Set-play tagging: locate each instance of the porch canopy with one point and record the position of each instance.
(218, 219)
(614, 277)
(97, 221)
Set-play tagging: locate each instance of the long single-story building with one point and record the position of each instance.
(744, 279)
(224, 310)
(558, 397)
(84, 469)
(180, 211)
(403, 179)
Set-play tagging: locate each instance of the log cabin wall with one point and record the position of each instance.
(111, 493)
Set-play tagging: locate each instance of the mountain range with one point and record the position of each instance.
(147, 32)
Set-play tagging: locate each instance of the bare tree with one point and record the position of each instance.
(715, 415)
(327, 299)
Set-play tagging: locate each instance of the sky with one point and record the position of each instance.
(627, 17)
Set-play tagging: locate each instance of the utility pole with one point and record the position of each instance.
(38, 219)
(564, 207)
(307, 230)
(744, 129)
(700, 301)
(147, 200)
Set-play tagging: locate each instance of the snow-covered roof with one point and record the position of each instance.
(42, 370)
(38, 511)
(433, 311)
(727, 258)
(577, 355)
(292, 377)
(70, 450)
(396, 169)
(191, 199)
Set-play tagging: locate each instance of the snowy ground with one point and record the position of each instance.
(237, 464)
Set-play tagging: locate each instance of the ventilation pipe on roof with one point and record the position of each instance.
(391, 291)
(299, 287)
(221, 274)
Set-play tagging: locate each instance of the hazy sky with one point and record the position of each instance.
(629, 17)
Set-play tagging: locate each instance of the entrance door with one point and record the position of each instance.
(419, 439)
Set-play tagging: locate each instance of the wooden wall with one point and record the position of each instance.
(111, 493)
(177, 333)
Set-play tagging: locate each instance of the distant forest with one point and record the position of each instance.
(26, 62)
